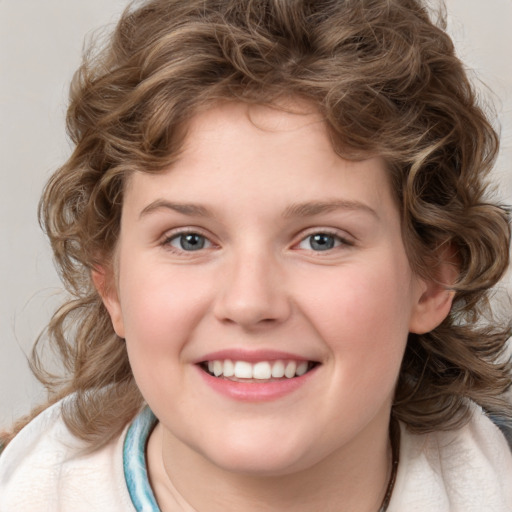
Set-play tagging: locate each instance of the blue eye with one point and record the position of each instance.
(189, 242)
(320, 242)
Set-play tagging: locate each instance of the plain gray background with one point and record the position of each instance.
(40, 47)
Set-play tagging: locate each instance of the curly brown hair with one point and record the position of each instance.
(387, 81)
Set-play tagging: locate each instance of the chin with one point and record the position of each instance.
(259, 459)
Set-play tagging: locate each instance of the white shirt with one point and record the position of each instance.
(42, 470)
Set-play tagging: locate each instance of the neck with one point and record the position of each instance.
(352, 478)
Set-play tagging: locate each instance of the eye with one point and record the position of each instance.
(188, 242)
(321, 242)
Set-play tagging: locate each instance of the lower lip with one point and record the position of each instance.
(255, 391)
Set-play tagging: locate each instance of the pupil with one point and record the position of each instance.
(322, 242)
(192, 242)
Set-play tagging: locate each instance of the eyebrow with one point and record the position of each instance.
(311, 208)
(184, 208)
(306, 209)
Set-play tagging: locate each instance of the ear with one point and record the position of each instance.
(435, 298)
(104, 283)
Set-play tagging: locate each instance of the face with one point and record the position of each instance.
(264, 293)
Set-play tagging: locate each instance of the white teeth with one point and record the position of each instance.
(290, 369)
(217, 368)
(278, 370)
(243, 370)
(229, 368)
(302, 368)
(262, 370)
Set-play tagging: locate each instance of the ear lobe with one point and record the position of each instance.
(108, 293)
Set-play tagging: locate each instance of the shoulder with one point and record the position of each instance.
(468, 470)
(44, 468)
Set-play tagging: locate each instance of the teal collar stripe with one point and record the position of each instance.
(134, 462)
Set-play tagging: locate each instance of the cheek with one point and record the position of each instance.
(160, 312)
(363, 316)
(362, 301)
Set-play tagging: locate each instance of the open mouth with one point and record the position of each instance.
(260, 371)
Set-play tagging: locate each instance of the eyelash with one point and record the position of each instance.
(338, 241)
(167, 242)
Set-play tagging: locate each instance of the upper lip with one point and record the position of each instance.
(251, 356)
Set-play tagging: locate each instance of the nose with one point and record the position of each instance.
(252, 293)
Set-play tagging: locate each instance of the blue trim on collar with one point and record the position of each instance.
(134, 462)
(504, 423)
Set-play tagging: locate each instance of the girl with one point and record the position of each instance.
(276, 232)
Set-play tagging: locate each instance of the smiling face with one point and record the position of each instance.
(264, 294)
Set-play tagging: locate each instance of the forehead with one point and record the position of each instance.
(246, 130)
(235, 151)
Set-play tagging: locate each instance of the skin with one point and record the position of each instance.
(260, 284)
